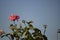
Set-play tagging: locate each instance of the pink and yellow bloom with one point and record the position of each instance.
(1, 32)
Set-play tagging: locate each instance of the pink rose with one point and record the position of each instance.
(14, 17)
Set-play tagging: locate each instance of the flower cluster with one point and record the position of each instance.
(23, 33)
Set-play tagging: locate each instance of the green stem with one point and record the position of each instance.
(14, 22)
(44, 31)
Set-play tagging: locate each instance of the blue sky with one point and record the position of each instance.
(40, 11)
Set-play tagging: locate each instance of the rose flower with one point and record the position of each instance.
(14, 17)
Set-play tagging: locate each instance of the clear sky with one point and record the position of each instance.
(40, 11)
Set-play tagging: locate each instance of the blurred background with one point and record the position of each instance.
(40, 11)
